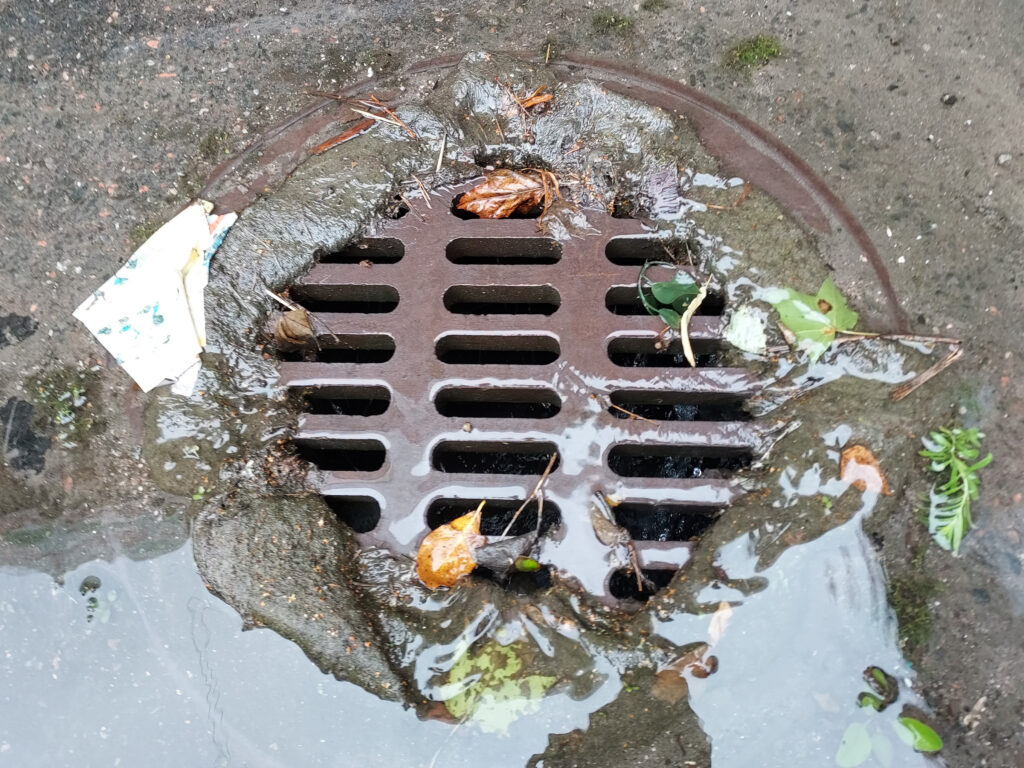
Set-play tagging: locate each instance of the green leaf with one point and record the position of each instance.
(882, 749)
(526, 565)
(869, 701)
(953, 450)
(671, 291)
(815, 320)
(918, 735)
(670, 317)
(855, 747)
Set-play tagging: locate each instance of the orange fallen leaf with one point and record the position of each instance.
(446, 554)
(504, 192)
(859, 467)
(535, 98)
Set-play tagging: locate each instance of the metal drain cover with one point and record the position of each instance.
(458, 354)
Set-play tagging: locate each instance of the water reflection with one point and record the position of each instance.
(162, 675)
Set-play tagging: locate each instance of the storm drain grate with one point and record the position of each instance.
(458, 354)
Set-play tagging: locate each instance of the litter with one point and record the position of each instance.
(150, 314)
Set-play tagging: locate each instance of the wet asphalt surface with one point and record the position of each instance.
(113, 116)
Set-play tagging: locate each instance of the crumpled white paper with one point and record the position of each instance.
(150, 314)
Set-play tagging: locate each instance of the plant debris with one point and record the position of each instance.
(613, 535)
(667, 299)
(535, 98)
(356, 130)
(953, 450)
(294, 328)
(859, 467)
(505, 192)
(684, 323)
(812, 322)
(447, 552)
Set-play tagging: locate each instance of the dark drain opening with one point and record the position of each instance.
(531, 213)
(360, 513)
(376, 250)
(503, 250)
(495, 402)
(493, 349)
(637, 251)
(347, 348)
(493, 458)
(622, 584)
(369, 299)
(623, 300)
(495, 516)
(670, 461)
(664, 522)
(350, 401)
(355, 455)
(675, 406)
(502, 299)
(642, 353)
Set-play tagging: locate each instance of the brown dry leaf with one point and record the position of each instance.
(535, 98)
(719, 622)
(504, 192)
(294, 329)
(670, 685)
(446, 554)
(859, 467)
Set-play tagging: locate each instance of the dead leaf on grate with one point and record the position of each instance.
(859, 467)
(295, 329)
(504, 192)
(447, 552)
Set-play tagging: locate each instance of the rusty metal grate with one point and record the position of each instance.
(465, 351)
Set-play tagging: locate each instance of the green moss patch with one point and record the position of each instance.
(753, 52)
(607, 20)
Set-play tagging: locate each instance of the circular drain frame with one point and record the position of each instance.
(457, 355)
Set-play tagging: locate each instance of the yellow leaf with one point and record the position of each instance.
(446, 554)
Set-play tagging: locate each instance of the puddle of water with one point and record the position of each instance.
(148, 668)
(791, 656)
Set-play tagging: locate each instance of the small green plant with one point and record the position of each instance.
(667, 299)
(608, 20)
(753, 52)
(953, 450)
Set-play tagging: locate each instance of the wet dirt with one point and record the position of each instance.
(867, 114)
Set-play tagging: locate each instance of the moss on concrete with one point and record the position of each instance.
(608, 21)
(753, 52)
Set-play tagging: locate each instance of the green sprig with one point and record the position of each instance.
(955, 451)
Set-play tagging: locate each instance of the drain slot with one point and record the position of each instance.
(348, 348)
(494, 402)
(496, 514)
(493, 458)
(360, 513)
(637, 251)
(622, 584)
(503, 250)
(355, 455)
(675, 406)
(349, 401)
(642, 353)
(664, 522)
(623, 300)
(502, 299)
(493, 349)
(376, 250)
(365, 299)
(673, 461)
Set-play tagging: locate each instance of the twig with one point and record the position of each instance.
(440, 155)
(423, 190)
(533, 494)
(378, 118)
(635, 562)
(631, 414)
(284, 302)
(747, 187)
(684, 323)
(925, 376)
(547, 54)
(501, 133)
(375, 102)
(409, 205)
(341, 138)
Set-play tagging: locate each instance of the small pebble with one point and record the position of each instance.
(949, 99)
(1004, 158)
